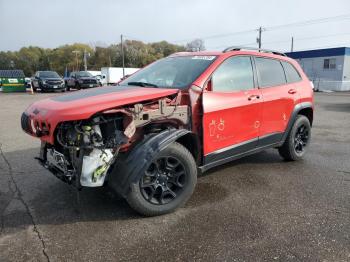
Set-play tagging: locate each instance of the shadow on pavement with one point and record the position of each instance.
(53, 202)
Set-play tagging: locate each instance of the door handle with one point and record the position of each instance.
(253, 97)
(292, 91)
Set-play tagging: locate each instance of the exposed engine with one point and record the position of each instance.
(98, 139)
(86, 149)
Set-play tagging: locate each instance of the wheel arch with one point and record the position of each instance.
(306, 109)
(191, 142)
(131, 165)
(308, 112)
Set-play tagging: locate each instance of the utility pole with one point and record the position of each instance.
(259, 38)
(122, 49)
(292, 46)
(85, 62)
(76, 52)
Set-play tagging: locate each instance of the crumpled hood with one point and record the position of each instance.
(85, 103)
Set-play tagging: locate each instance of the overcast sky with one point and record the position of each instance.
(51, 23)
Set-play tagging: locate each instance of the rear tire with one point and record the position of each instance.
(297, 141)
(167, 183)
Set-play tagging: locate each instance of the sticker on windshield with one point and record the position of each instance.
(202, 57)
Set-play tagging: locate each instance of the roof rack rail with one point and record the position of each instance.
(238, 48)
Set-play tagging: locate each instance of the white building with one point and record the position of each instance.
(329, 69)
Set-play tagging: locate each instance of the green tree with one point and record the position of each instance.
(137, 54)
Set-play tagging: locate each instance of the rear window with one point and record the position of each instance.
(271, 72)
(291, 73)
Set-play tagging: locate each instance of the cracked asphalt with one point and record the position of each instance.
(258, 208)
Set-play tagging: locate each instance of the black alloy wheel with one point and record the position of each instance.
(301, 139)
(163, 181)
(297, 141)
(166, 184)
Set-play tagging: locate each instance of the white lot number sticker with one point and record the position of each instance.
(13, 80)
(202, 57)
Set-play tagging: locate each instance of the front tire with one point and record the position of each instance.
(167, 183)
(297, 141)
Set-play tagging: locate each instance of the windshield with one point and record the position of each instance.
(49, 74)
(171, 72)
(84, 74)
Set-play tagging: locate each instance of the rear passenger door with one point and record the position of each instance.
(279, 99)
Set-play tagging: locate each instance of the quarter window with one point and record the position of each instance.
(270, 71)
(234, 74)
(291, 73)
(329, 63)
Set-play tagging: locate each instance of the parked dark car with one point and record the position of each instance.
(81, 80)
(48, 81)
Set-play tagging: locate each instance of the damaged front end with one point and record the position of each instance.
(85, 150)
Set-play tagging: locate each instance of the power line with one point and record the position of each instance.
(306, 38)
(310, 22)
(217, 36)
(276, 27)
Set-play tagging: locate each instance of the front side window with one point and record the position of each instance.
(329, 63)
(171, 72)
(291, 73)
(270, 72)
(234, 74)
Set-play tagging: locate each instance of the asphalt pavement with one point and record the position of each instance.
(258, 208)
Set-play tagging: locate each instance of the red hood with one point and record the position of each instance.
(83, 104)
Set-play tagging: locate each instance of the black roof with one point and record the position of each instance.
(12, 73)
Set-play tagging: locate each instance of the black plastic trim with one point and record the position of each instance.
(129, 167)
(236, 156)
(239, 150)
(294, 115)
(270, 139)
(230, 151)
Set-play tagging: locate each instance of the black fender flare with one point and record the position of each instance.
(293, 117)
(130, 166)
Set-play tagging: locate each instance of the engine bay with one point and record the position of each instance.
(85, 150)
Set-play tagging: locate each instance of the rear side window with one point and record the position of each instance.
(291, 73)
(234, 74)
(270, 71)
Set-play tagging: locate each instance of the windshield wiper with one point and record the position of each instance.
(142, 84)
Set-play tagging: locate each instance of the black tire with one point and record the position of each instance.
(152, 198)
(77, 86)
(297, 141)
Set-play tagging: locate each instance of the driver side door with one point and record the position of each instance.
(232, 110)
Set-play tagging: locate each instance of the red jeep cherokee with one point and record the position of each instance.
(151, 134)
